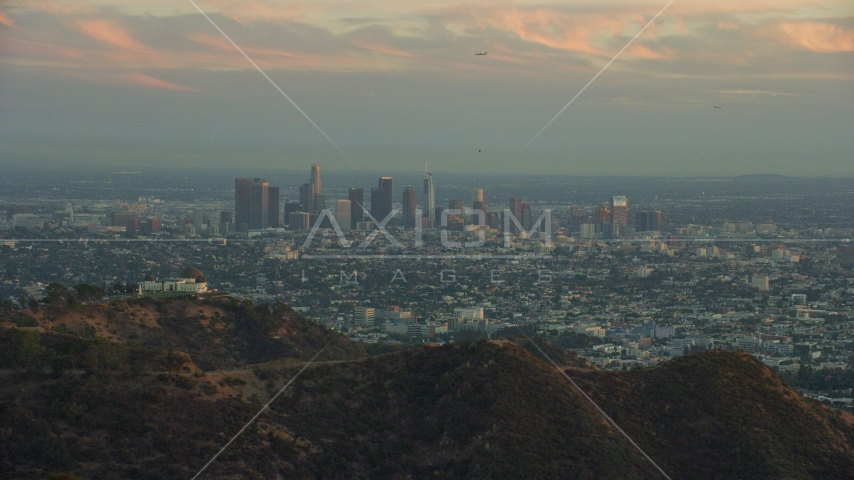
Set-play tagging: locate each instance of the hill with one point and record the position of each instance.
(217, 334)
(488, 409)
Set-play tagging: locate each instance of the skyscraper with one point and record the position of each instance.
(342, 214)
(315, 178)
(306, 197)
(655, 222)
(477, 204)
(357, 202)
(578, 215)
(409, 208)
(311, 194)
(273, 207)
(242, 203)
(382, 199)
(642, 221)
(619, 216)
(260, 204)
(429, 201)
(515, 207)
(252, 203)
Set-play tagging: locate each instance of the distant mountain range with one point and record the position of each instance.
(125, 398)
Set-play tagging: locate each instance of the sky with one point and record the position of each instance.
(396, 84)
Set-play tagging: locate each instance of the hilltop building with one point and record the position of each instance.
(191, 280)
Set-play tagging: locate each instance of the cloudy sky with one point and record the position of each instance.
(396, 83)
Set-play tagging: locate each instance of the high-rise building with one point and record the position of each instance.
(619, 216)
(642, 221)
(655, 222)
(429, 201)
(527, 219)
(299, 221)
(273, 207)
(515, 207)
(315, 179)
(357, 203)
(477, 204)
(198, 218)
(226, 217)
(409, 208)
(252, 204)
(342, 214)
(577, 215)
(306, 197)
(382, 199)
(260, 204)
(455, 204)
(242, 203)
(290, 208)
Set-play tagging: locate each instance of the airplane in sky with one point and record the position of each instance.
(484, 53)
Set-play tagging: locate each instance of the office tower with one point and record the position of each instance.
(382, 199)
(655, 223)
(319, 202)
(260, 204)
(290, 208)
(409, 208)
(273, 207)
(299, 221)
(455, 204)
(197, 218)
(342, 214)
(515, 207)
(129, 220)
(242, 203)
(429, 201)
(526, 220)
(306, 197)
(588, 231)
(315, 179)
(357, 201)
(363, 316)
(226, 217)
(642, 219)
(602, 214)
(577, 215)
(251, 203)
(476, 196)
(619, 216)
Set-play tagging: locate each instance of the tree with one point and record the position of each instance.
(34, 304)
(89, 293)
(27, 349)
(56, 293)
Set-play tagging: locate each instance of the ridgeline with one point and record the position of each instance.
(120, 391)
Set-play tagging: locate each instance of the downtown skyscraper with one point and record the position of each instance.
(409, 208)
(252, 204)
(429, 201)
(311, 194)
(382, 199)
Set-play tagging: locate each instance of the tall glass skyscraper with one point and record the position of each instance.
(429, 201)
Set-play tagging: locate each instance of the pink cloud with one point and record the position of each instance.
(106, 31)
(817, 36)
(5, 20)
(382, 49)
(143, 80)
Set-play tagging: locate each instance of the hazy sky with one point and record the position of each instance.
(396, 83)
